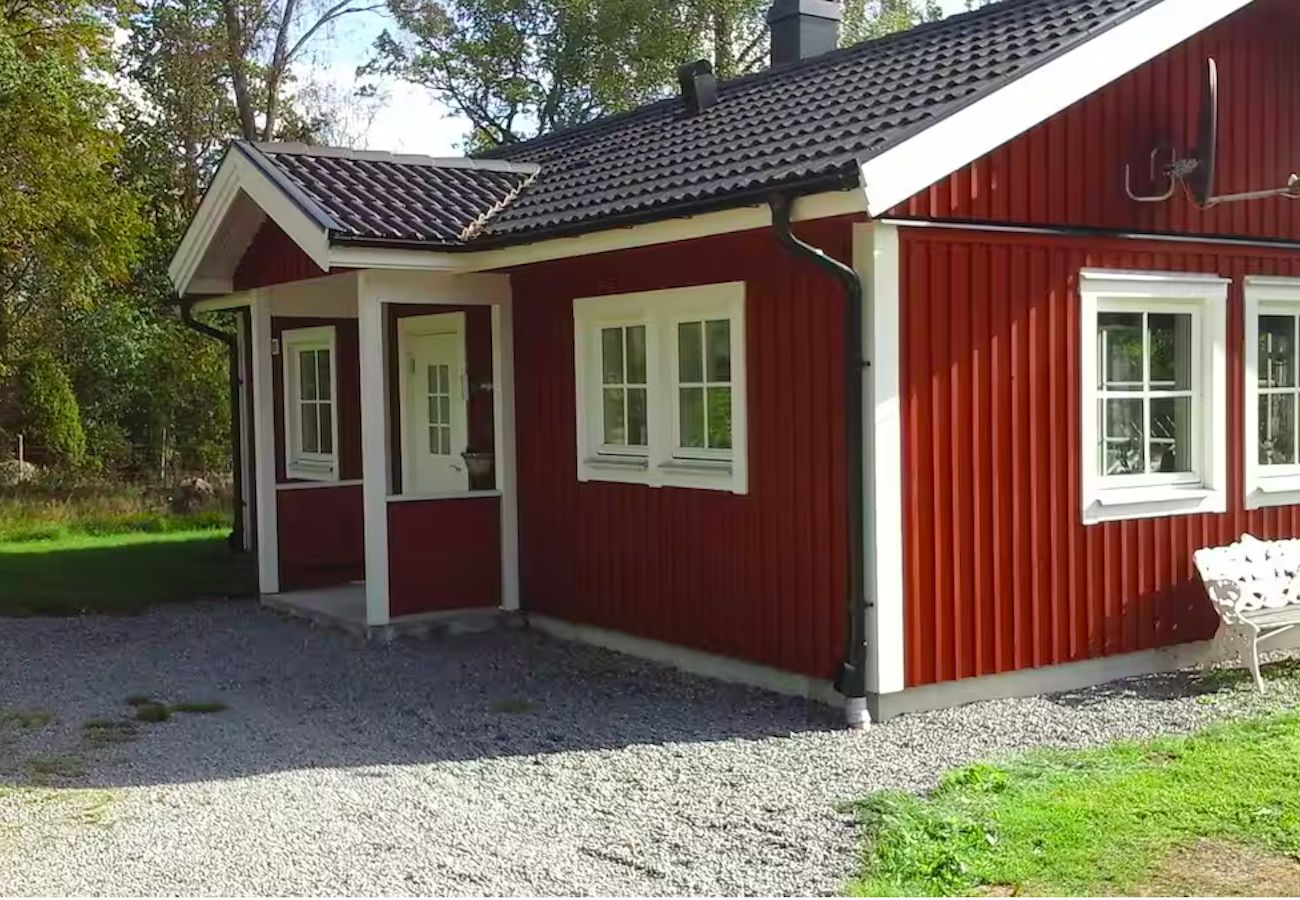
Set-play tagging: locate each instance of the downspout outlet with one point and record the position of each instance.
(856, 717)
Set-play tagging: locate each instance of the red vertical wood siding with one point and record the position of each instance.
(321, 536)
(761, 576)
(273, 258)
(1070, 169)
(444, 554)
(999, 573)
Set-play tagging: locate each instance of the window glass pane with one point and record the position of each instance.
(636, 354)
(1171, 433)
(690, 353)
(433, 410)
(323, 375)
(432, 378)
(1121, 436)
(611, 355)
(717, 337)
(435, 447)
(326, 428)
(1277, 429)
(691, 414)
(615, 430)
(720, 418)
(445, 431)
(307, 376)
(1119, 350)
(1171, 351)
(637, 432)
(309, 428)
(1276, 352)
(444, 410)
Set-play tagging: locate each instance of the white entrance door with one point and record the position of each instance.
(434, 409)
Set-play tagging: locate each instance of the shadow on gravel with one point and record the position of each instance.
(300, 697)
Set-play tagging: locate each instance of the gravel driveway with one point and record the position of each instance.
(499, 763)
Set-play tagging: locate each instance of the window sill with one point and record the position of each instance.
(1275, 490)
(308, 472)
(1116, 504)
(703, 474)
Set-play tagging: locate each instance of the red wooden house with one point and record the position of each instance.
(869, 376)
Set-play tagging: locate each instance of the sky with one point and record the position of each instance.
(411, 121)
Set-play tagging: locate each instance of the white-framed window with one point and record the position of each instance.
(660, 379)
(1272, 392)
(1153, 402)
(311, 428)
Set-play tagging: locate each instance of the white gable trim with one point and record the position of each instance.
(956, 141)
(237, 174)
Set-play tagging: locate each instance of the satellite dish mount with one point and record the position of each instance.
(1195, 172)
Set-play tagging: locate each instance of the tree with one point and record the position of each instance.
(521, 68)
(67, 223)
(50, 418)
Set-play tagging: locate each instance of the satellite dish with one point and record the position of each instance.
(1201, 179)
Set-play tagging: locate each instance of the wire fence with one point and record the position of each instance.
(142, 464)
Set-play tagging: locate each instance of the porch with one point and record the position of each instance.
(378, 423)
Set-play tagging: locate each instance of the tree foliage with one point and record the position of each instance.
(50, 417)
(521, 68)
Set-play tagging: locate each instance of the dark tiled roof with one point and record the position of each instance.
(369, 196)
(795, 124)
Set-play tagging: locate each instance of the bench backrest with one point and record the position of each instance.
(1251, 575)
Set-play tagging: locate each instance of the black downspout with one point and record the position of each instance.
(236, 437)
(852, 679)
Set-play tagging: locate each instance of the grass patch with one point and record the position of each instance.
(200, 707)
(41, 514)
(152, 712)
(25, 719)
(104, 732)
(77, 806)
(120, 574)
(44, 769)
(1096, 822)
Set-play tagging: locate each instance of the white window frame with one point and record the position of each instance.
(1272, 485)
(661, 463)
(1204, 490)
(297, 462)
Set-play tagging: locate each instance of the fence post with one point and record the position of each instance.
(20, 452)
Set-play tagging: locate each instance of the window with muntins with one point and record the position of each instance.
(660, 387)
(311, 426)
(1272, 401)
(1154, 394)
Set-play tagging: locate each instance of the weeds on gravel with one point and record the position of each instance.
(78, 806)
(152, 712)
(25, 719)
(102, 732)
(200, 707)
(44, 769)
(1101, 821)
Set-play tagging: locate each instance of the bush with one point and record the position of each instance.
(50, 417)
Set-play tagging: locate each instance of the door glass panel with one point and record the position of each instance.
(1277, 429)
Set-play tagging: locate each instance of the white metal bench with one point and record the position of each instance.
(1255, 588)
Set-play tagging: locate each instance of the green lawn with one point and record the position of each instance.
(1179, 815)
(119, 574)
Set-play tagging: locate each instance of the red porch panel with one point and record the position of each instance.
(1000, 573)
(321, 536)
(444, 554)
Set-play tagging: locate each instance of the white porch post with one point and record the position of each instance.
(247, 469)
(374, 450)
(268, 546)
(503, 417)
